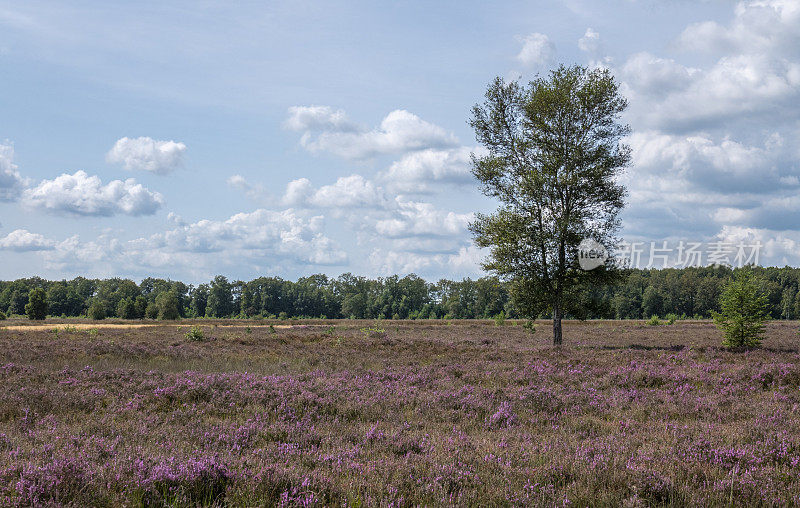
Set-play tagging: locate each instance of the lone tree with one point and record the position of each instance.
(744, 308)
(554, 151)
(36, 308)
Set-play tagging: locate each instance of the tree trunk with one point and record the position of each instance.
(557, 324)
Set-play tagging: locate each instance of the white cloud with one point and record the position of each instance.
(537, 49)
(22, 240)
(262, 240)
(11, 183)
(399, 132)
(147, 154)
(352, 191)
(84, 195)
(715, 144)
(755, 77)
(590, 42)
(465, 261)
(758, 26)
(238, 181)
(314, 118)
(414, 219)
(415, 172)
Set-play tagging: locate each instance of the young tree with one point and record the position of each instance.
(744, 309)
(37, 304)
(553, 154)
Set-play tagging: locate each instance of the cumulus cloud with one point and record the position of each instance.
(423, 219)
(590, 42)
(352, 191)
(22, 240)
(755, 76)
(147, 154)
(714, 144)
(325, 130)
(11, 182)
(465, 261)
(415, 172)
(262, 232)
(84, 195)
(317, 118)
(258, 241)
(537, 49)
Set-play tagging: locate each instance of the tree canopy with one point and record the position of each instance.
(553, 154)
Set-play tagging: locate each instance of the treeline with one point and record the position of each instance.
(689, 292)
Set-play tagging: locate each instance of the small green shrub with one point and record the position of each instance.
(195, 333)
(654, 321)
(530, 325)
(2, 315)
(500, 319)
(744, 310)
(671, 318)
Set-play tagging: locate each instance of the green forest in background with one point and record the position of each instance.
(685, 293)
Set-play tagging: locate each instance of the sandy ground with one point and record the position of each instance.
(89, 326)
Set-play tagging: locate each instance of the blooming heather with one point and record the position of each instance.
(428, 414)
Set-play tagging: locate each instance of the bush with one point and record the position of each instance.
(2, 315)
(530, 325)
(36, 308)
(195, 333)
(653, 321)
(671, 318)
(500, 319)
(97, 311)
(744, 311)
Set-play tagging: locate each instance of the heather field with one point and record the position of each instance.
(395, 413)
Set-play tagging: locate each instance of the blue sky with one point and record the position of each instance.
(186, 139)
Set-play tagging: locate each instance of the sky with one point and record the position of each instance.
(188, 139)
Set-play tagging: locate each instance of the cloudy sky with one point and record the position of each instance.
(186, 139)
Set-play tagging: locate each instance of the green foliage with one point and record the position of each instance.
(126, 308)
(554, 152)
(530, 325)
(688, 291)
(500, 319)
(151, 311)
(654, 321)
(97, 311)
(671, 318)
(140, 305)
(36, 308)
(17, 302)
(167, 304)
(2, 315)
(195, 333)
(220, 298)
(744, 311)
